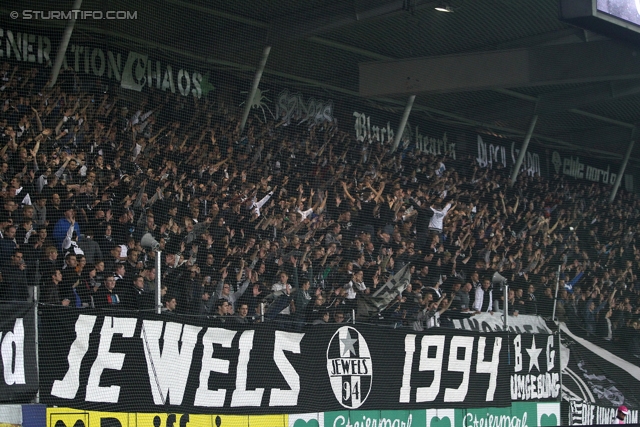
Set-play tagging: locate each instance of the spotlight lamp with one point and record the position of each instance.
(443, 7)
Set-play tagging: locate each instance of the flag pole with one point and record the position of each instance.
(555, 300)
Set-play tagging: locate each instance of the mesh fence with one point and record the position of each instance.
(307, 216)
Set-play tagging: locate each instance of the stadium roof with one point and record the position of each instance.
(584, 87)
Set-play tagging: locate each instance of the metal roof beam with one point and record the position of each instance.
(572, 98)
(602, 137)
(567, 35)
(501, 110)
(306, 24)
(535, 66)
(556, 102)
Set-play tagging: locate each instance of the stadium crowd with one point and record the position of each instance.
(287, 221)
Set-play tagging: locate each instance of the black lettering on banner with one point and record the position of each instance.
(78, 419)
(262, 370)
(78, 423)
(171, 420)
(110, 422)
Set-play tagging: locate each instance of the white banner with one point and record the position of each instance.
(486, 322)
(133, 70)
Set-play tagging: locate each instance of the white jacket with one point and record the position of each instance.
(437, 219)
(351, 289)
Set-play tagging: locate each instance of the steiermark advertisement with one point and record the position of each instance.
(524, 414)
(518, 415)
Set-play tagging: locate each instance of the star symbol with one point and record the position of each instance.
(533, 355)
(348, 344)
(205, 85)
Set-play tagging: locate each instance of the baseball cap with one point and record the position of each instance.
(623, 409)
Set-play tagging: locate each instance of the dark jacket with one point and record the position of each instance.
(15, 285)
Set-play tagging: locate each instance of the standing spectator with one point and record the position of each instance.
(621, 415)
(8, 245)
(170, 304)
(106, 297)
(531, 301)
(513, 308)
(223, 313)
(90, 247)
(483, 302)
(50, 262)
(436, 223)
(338, 316)
(464, 298)
(224, 290)
(242, 316)
(15, 286)
(429, 317)
(545, 304)
(316, 310)
(50, 290)
(60, 230)
(323, 319)
(353, 288)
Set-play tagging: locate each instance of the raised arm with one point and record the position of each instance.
(446, 306)
(242, 289)
(296, 282)
(37, 119)
(346, 192)
(377, 194)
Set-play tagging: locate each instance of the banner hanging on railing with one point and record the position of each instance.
(19, 382)
(596, 381)
(486, 322)
(116, 362)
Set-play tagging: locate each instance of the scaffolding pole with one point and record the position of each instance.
(254, 87)
(523, 151)
(158, 282)
(403, 123)
(36, 298)
(623, 166)
(62, 50)
(506, 307)
(555, 299)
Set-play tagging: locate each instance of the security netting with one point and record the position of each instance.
(309, 212)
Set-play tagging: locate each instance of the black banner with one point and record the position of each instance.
(596, 379)
(157, 363)
(535, 370)
(19, 382)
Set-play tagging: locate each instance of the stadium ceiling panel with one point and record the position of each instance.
(574, 79)
(606, 61)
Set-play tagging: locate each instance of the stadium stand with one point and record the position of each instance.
(294, 222)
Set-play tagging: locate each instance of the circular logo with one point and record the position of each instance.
(349, 367)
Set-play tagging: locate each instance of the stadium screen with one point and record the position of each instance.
(619, 19)
(626, 10)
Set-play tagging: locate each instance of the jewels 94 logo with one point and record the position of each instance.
(349, 367)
